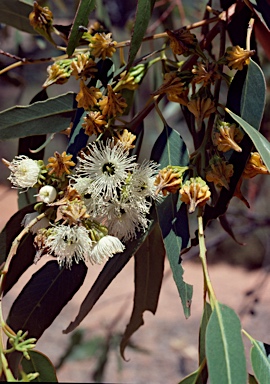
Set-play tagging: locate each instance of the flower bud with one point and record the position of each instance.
(195, 192)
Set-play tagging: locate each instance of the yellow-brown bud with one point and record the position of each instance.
(102, 45)
(87, 98)
(126, 138)
(227, 137)
(169, 179)
(219, 172)
(205, 73)
(83, 67)
(201, 108)
(94, 123)
(195, 192)
(60, 164)
(113, 104)
(236, 57)
(255, 166)
(56, 75)
(182, 41)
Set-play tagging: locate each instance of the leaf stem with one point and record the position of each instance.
(207, 281)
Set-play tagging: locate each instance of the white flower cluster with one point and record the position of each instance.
(117, 191)
(73, 243)
(114, 199)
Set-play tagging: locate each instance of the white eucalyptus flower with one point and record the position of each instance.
(106, 167)
(47, 194)
(125, 219)
(24, 172)
(69, 243)
(141, 181)
(105, 248)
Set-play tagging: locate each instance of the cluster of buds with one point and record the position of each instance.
(219, 172)
(169, 179)
(237, 57)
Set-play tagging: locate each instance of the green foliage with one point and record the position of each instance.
(49, 116)
(40, 363)
(260, 361)
(224, 347)
(15, 13)
(85, 7)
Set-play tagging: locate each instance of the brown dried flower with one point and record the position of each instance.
(205, 73)
(169, 179)
(255, 166)
(182, 41)
(201, 108)
(40, 17)
(73, 212)
(60, 164)
(237, 57)
(94, 123)
(87, 98)
(126, 138)
(83, 67)
(112, 105)
(219, 172)
(102, 45)
(195, 192)
(56, 75)
(227, 137)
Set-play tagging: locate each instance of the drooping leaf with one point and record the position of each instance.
(39, 363)
(202, 377)
(15, 13)
(44, 296)
(149, 266)
(227, 228)
(253, 98)
(52, 115)
(25, 252)
(142, 18)
(224, 347)
(260, 142)
(81, 19)
(260, 361)
(170, 149)
(106, 276)
(78, 139)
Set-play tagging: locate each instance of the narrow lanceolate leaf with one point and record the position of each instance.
(149, 267)
(260, 361)
(39, 363)
(203, 375)
(142, 18)
(81, 19)
(260, 142)
(253, 95)
(49, 116)
(44, 296)
(224, 347)
(191, 379)
(170, 149)
(15, 13)
(106, 276)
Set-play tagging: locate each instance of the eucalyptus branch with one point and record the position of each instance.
(207, 281)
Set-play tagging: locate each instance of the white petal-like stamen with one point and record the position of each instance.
(24, 172)
(69, 243)
(107, 166)
(105, 248)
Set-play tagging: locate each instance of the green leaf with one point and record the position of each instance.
(172, 213)
(44, 296)
(142, 17)
(81, 19)
(40, 363)
(202, 378)
(149, 267)
(260, 362)
(224, 347)
(260, 142)
(15, 13)
(253, 95)
(106, 276)
(49, 116)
